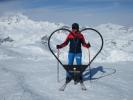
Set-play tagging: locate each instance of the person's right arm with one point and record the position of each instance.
(65, 43)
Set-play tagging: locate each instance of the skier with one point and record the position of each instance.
(75, 39)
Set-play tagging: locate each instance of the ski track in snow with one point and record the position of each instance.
(25, 92)
(31, 80)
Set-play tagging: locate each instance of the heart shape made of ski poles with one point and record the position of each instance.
(63, 29)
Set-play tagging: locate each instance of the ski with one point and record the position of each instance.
(63, 87)
(83, 86)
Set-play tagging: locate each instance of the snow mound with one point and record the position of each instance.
(24, 30)
(18, 31)
(118, 42)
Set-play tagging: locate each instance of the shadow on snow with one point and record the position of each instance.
(94, 71)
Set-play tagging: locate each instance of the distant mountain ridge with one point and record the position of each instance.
(20, 31)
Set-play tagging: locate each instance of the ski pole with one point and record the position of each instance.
(89, 64)
(58, 67)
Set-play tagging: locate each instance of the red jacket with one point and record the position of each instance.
(75, 39)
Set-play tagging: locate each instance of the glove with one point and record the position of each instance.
(58, 46)
(89, 44)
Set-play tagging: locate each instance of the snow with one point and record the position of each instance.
(29, 71)
(39, 82)
(24, 31)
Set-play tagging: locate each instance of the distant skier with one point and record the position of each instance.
(75, 39)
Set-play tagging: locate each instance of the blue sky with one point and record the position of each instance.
(85, 12)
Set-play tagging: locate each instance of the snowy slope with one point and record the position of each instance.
(118, 42)
(22, 31)
(26, 35)
(39, 81)
(28, 69)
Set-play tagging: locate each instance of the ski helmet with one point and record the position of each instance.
(75, 26)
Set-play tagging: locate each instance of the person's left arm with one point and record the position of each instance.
(87, 45)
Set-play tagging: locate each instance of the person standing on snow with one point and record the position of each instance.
(75, 39)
